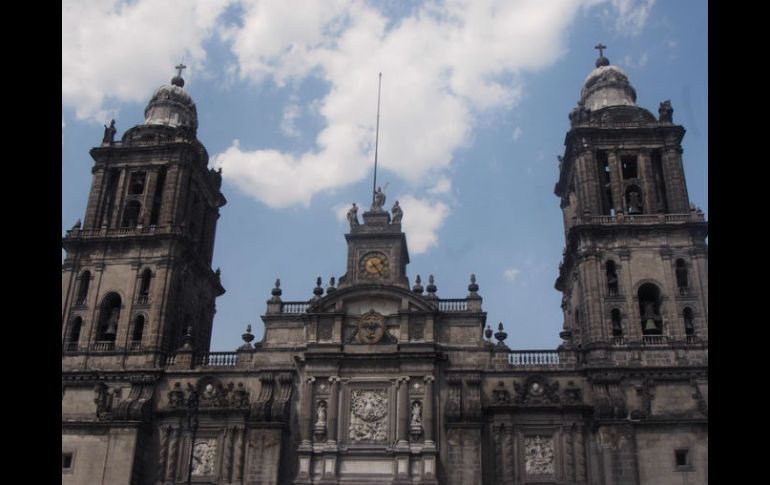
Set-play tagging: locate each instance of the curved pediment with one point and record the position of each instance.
(385, 299)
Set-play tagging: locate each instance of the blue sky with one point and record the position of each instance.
(475, 98)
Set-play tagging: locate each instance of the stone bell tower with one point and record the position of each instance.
(137, 274)
(634, 269)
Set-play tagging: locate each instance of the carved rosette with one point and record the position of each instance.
(368, 415)
(538, 456)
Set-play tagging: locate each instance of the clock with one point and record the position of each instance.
(374, 265)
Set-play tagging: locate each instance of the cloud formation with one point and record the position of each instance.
(511, 274)
(120, 50)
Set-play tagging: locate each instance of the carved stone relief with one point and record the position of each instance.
(325, 331)
(368, 415)
(204, 456)
(538, 455)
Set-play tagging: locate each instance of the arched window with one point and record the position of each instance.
(649, 309)
(612, 278)
(617, 328)
(73, 336)
(136, 334)
(689, 327)
(109, 316)
(144, 287)
(681, 276)
(131, 214)
(85, 280)
(634, 200)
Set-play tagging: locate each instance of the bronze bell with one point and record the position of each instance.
(650, 325)
(112, 324)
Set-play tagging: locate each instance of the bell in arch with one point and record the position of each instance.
(650, 325)
(112, 323)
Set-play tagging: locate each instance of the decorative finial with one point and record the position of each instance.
(473, 287)
(276, 292)
(247, 337)
(331, 288)
(177, 80)
(417, 286)
(431, 287)
(318, 291)
(218, 272)
(488, 332)
(500, 335)
(187, 339)
(601, 61)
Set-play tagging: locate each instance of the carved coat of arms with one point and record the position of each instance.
(538, 458)
(368, 415)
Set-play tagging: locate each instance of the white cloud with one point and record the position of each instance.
(511, 273)
(443, 186)
(630, 62)
(421, 222)
(631, 16)
(517, 133)
(443, 66)
(291, 112)
(122, 50)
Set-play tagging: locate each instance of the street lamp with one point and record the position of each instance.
(191, 413)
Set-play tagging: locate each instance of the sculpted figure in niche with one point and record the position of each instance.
(416, 412)
(321, 413)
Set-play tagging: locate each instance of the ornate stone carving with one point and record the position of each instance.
(417, 329)
(260, 409)
(371, 328)
(454, 402)
(138, 404)
(536, 390)
(204, 456)
(368, 413)
(500, 395)
(176, 396)
(325, 330)
(280, 411)
(538, 455)
(572, 394)
(698, 396)
(320, 423)
(473, 397)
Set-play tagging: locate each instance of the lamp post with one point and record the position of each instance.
(191, 413)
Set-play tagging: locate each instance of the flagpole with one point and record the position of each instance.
(376, 139)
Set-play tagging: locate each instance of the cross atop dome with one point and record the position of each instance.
(177, 80)
(601, 61)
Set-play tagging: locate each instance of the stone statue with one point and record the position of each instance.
(666, 112)
(416, 413)
(109, 133)
(379, 199)
(353, 216)
(321, 420)
(397, 213)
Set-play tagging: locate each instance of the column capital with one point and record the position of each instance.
(334, 379)
(309, 379)
(428, 379)
(403, 379)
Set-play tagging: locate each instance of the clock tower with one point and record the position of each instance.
(377, 251)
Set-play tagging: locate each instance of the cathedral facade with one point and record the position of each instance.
(375, 380)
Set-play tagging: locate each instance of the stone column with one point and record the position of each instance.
(334, 386)
(305, 449)
(164, 434)
(429, 447)
(616, 180)
(427, 410)
(306, 405)
(644, 165)
(403, 412)
(238, 466)
(173, 456)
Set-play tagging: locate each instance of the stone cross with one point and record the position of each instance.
(179, 68)
(601, 48)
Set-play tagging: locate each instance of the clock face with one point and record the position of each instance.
(374, 266)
